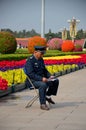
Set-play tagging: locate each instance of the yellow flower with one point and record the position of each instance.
(62, 57)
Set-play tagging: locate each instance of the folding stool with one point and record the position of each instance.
(36, 91)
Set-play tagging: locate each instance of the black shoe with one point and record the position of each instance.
(44, 107)
(50, 100)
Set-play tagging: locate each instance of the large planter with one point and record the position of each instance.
(68, 71)
(73, 69)
(5, 92)
(14, 88)
(58, 74)
(64, 72)
(19, 87)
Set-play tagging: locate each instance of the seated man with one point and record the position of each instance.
(39, 75)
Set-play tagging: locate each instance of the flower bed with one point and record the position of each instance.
(12, 74)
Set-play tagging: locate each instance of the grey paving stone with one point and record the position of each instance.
(69, 112)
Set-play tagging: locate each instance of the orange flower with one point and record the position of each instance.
(36, 41)
(67, 46)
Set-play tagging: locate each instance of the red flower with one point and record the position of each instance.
(3, 84)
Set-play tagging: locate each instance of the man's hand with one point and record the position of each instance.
(44, 79)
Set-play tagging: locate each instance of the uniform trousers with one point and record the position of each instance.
(46, 89)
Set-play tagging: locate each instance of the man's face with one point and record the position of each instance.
(39, 54)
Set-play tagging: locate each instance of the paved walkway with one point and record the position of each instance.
(69, 112)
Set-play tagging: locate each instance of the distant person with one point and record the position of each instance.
(41, 78)
(20, 46)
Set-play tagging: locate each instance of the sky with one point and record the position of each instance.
(18, 15)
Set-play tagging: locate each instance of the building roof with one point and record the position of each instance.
(22, 41)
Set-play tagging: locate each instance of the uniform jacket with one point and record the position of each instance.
(36, 69)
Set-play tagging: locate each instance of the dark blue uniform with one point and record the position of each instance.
(36, 70)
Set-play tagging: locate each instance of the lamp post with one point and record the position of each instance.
(43, 19)
(73, 29)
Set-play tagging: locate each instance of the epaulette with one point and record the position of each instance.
(31, 57)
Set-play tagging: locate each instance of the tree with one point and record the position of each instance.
(8, 43)
(80, 34)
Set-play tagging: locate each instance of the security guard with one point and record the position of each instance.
(39, 75)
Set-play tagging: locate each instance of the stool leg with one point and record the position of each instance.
(31, 101)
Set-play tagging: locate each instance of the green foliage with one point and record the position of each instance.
(80, 34)
(24, 54)
(11, 57)
(23, 33)
(8, 43)
(22, 51)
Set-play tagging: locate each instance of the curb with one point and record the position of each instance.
(5, 92)
(13, 89)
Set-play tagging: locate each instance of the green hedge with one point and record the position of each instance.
(14, 57)
(20, 56)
